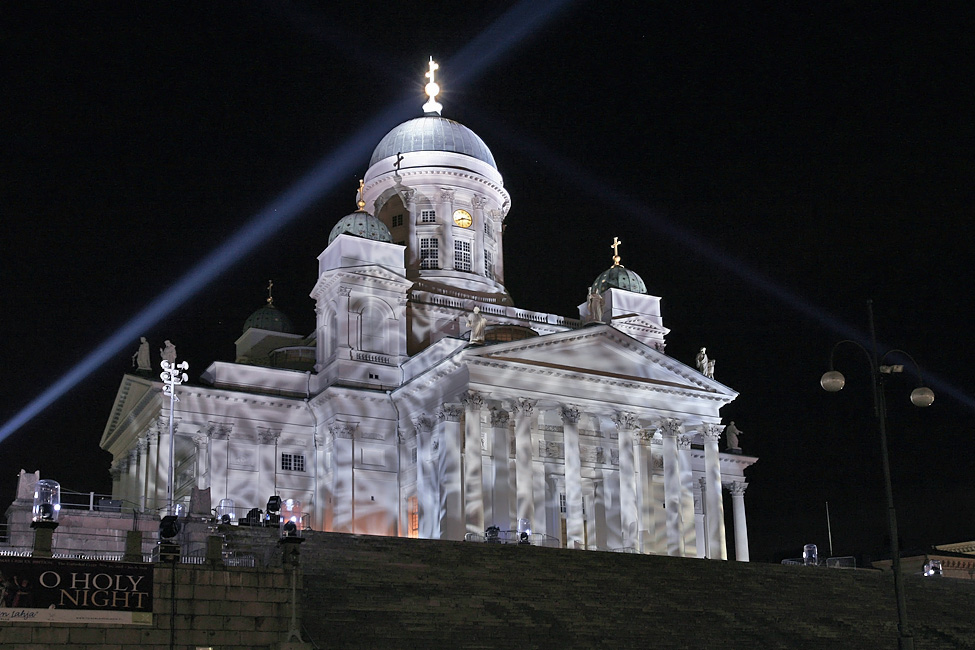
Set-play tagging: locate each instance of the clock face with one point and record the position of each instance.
(463, 218)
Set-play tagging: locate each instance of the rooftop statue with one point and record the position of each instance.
(141, 359)
(168, 353)
(477, 323)
(705, 365)
(731, 433)
(595, 302)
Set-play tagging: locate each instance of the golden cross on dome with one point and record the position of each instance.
(432, 90)
(361, 202)
(616, 252)
(270, 285)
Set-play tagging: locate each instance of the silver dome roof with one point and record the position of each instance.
(432, 133)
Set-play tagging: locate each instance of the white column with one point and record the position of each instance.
(444, 208)
(689, 521)
(741, 528)
(523, 460)
(412, 244)
(343, 497)
(452, 520)
(473, 488)
(268, 462)
(202, 442)
(132, 493)
(574, 526)
(714, 512)
(321, 491)
(477, 207)
(152, 468)
(700, 523)
(675, 528)
(626, 422)
(219, 462)
(501, 488)
(162, 465)
(428, 497)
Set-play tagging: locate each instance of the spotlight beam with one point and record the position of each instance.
(476, 56)
(639, 211)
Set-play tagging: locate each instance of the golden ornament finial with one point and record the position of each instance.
(616, 251)
(432, 89)
(361, 203)
(270, 298)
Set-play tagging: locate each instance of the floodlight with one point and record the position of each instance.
(169, 527)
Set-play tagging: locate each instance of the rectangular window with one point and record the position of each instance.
(488, 264)
(428, 216)
(292, 463)
(429, 253)
(413, 513)
(487, 228)
(397, 220)
(462, 255)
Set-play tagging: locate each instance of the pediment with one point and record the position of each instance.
(603, 353)
(640, 323)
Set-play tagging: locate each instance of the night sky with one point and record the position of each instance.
(768, 168)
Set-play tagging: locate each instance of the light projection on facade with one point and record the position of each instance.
(392, 418)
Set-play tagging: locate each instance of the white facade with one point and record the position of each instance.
(387, 421)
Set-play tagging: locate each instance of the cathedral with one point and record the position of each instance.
(426, 404)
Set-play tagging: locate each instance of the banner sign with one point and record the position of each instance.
(49, 590)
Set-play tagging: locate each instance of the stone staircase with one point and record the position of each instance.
(380, 592)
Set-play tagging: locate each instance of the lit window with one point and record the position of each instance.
(488, 264)
(292, 463)
(430, 253)
(462, 255)
(428, 216)
(413, 512)
(397, 220)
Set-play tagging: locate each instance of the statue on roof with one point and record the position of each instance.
(705, 365)
(731, 433)
(478, 324)
(140, 360)
(168, 353)
(595, 303)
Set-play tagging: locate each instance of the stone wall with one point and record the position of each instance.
(215, 606)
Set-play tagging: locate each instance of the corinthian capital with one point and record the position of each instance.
(424, 422)
(737, 488)
(525, 406)
(499, 418)
(450, 413)
(672, 427)
(712, 432)
(473, 400)
(445, 195)
(625, 420)
(569, 413)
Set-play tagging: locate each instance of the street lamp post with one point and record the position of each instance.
(921, 396)
(172, 376)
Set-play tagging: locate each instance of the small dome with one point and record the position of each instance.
(619, 277)
(269, 318)
(361, 224)
(432, 133)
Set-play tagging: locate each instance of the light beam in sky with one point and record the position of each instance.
(479, 54)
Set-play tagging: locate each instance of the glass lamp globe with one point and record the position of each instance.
(922, 396)
(833, 381)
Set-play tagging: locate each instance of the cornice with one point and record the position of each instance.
(385, 178)
(566, 372)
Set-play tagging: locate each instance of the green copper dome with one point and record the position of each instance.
(432, 133)
(361, 224)
(619, 277)
(269, 318)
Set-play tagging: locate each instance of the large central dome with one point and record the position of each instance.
(432, 133)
